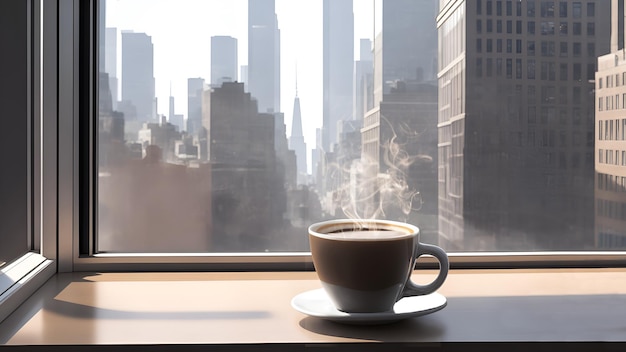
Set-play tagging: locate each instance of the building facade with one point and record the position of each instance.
(516, 112)
(338, 62)
(138, 75)
(224, 60)
(610, 140)
(264, 55)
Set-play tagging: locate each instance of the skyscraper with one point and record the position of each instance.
(363, 69)
(296, 142)
(195, 86)
(338, 61)
(110, 62)
(516, 105)
(264, 55)
(399, 134)
(610, 139)
(138, 74)
(224, 58)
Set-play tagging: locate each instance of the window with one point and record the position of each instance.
(591, 9)
(15, 180)
(25, 223)
(577, 9)
(139, 145)
(591, 29)
(563, 49)
(562, 9)
(530, 48)
(547, 9)
(530, 8)
(531, 27)
(577, 28)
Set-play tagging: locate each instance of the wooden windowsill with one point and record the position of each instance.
(252, 310)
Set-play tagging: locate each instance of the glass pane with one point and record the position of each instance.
(230, 126)
(14, 89)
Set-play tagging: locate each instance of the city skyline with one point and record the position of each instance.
(300, 24)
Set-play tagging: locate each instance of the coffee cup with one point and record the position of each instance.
(365, 266)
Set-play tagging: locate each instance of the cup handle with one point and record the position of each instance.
(413, 289)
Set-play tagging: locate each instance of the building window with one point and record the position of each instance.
(547, 9)
(577, 28)
(563, 49)
(577, 50)
(518, 46)
(591, 50)
(489, 8)
(479, 46)
(591, 9)
(563, 28)
(509, 68)
(547, 28)
(530, 48)
(531, 69)
(562, 9)
(591, 29)
(479, 26)
(479, 7)
(530, 8)
(489, 45)
(531, 27)
(563, 71)
(577, 9)
(489, 26)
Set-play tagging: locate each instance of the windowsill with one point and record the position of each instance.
(252, 310)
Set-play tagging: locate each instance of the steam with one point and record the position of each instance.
(377, 186)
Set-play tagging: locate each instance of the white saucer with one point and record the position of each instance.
(317, 304)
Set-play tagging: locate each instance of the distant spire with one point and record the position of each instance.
(296, 78)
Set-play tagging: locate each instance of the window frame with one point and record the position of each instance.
(23, 276)
(76, 97)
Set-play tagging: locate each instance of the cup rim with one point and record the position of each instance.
(321, 228)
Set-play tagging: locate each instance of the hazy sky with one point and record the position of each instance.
(181, 32)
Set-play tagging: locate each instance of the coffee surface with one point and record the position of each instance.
(363, 260)
(368, 235)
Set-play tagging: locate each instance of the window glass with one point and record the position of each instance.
(240, 123)
(14, 135)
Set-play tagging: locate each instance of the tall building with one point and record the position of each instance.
(516, 106)
(405, 43)
(610, 139)
(138, 75)
(338, 61)
(399, 134)
(247, 190)
(296, 142)
(363, 70)
(264, 55)
(110, 63)
(224, 58)
(195, 86)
